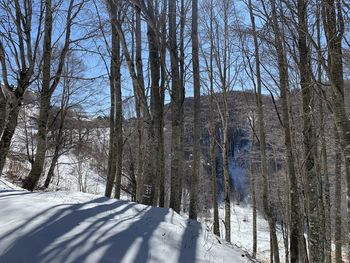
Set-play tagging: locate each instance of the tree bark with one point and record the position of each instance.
(9, 132)
(162, 87)
(139, 115)
(294, 195)
(176, 110)
(31, 181)
(116, 63)
(112, 163)
(309, 139)
(334, 27)
(337, 200)
(262, 139)
(197, 109)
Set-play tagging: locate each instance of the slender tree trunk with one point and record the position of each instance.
(262, 140)
(112, 163)
(252, 187)
(140, 141)
(294, 195)
(326, 190)
(58, 146)
(197, 109)
(337, 201)
(334, 26)
(227, 179)
(31, 181)
(176, 109)
(323, 153)
(162, 91)
(212, 131)
(309, 139)
(116, 60)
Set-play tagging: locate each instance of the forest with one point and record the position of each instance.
(231, 116)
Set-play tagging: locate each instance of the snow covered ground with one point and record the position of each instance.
(242, 232)
(77, 227)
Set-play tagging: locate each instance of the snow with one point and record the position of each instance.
(76, 227)
(242, 232)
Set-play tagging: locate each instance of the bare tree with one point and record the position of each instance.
(19, 39)
(283, 86)
(197, 105)
(114, 172)
(177, 97)
(48, 86)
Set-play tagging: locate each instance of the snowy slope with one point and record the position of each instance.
(242, 232)
(76, 227)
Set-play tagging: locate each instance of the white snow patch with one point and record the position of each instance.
(77, 227)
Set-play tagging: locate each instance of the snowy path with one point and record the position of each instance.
(76, 227)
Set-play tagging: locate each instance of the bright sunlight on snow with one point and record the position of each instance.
(78, 227)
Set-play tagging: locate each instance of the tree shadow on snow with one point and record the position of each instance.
(8, 193)
(189, 241)
(84, 232)
(100, 230)
(40, 243)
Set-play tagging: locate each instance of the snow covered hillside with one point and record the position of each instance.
(78, 227)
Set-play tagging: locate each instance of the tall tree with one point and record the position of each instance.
(49, 87)
(176, 171)
(334, 27)
(212, 126)
(23, 45)
(323, 151)
(309, 137)
(262, 140)
(293, 183)
(197, 105)
(114, 170)
(337, 201)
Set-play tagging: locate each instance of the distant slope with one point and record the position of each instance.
(75, 227)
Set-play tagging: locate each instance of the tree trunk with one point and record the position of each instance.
(116, 60)
(58, 146)
(9, 132)
(112, 163)
(294, 195)
(162, 87)
(262, 140)
(212, 131)
(309, 139)
(45, 98)
(227, 179)
(4, 105)
(176, 110)
(334, 26)
(326, 190)
(140, 141)
(196, 119)
(323, 153)
(252, 187)
(337, 200)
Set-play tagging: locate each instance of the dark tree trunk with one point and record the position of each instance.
(196, 119)
(176, 173)
(309, 139)
(293, 183)
(9, 132)
(337, 200)
(31, 181)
